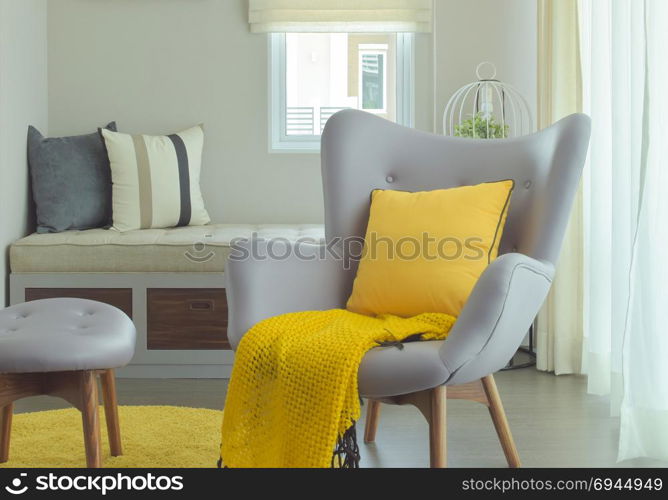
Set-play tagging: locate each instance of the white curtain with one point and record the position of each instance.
(335, 16)
(625, 354)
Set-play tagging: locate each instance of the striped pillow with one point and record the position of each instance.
(156, 179)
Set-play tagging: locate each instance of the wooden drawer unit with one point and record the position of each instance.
(186, 319)
(117, 297)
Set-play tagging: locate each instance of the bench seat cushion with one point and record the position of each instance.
(190, 249)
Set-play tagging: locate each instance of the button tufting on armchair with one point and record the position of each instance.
(360, 153)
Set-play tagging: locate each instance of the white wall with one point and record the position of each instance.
(468, 32)
(158, 66)
(23, 102)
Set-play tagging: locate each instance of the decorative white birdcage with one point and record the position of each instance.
(487, 109)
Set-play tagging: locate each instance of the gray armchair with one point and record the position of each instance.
(360, 153)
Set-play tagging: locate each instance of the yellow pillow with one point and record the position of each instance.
(425, 251)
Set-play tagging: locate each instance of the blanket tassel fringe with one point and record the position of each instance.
(347, 452)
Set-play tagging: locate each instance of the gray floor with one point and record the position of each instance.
(554, 421)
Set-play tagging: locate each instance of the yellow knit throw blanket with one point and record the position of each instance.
(293, 392)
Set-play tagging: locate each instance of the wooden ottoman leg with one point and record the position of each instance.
(6, 414)
(91, 419)
(108, 381)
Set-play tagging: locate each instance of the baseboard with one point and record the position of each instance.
(175, 371)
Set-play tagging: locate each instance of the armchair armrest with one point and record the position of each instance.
(265, 279)
(499, 312)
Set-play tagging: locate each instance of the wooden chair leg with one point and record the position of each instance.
(498, 415)
(108, 381)
(372, 417)
(438, 428)
(6, 414)
(90, 418)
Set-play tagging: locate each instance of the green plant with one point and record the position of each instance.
(479, 127)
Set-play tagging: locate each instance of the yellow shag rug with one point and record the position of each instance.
(153, 436)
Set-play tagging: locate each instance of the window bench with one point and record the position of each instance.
(169, 281)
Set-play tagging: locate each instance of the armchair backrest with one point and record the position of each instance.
(362, 152)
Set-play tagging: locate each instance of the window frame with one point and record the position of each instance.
(280, 142)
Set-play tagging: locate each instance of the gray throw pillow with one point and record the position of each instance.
(71, 181)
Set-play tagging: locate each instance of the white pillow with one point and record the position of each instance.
(156, 179)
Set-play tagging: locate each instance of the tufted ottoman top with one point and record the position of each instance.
(59, 335)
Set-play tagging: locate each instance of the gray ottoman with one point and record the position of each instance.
(59, 347)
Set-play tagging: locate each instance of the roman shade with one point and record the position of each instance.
(340, 16)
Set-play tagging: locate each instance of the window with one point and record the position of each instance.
(314, 75)
(373, 78)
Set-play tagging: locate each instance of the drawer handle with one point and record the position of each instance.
(201, 306)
